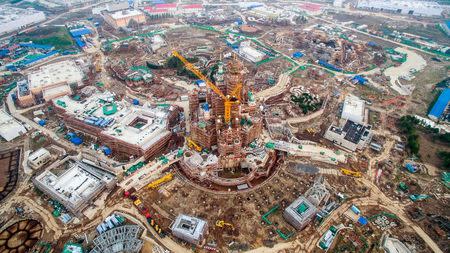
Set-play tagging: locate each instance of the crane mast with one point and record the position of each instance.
(228, 102)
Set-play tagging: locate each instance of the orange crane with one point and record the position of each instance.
(228, 100)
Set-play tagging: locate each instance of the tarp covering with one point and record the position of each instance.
(440, 105)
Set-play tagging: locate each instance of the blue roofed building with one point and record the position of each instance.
(77, 35)
(36, 46)
(446, 27)
(359, 79)
(80, 32)
(440, 105)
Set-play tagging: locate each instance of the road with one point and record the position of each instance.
(371, 35)
(278, 88)
(63, 142)
(55, 18)
(378, 198)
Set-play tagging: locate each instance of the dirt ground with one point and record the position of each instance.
(429, 149)
(242, 209)
(427, 215)
(422, 95)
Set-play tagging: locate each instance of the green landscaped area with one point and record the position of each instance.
(57, 36)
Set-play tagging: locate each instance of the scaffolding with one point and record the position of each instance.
(119, 239)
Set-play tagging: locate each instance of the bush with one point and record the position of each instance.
(407, 125)
(445, 156)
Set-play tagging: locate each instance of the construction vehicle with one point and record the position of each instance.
(228, 100)
(193, 145)
(311, 131)
(222, 224)
(155, 184)
(350, 173)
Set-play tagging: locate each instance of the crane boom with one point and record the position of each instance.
(199, 74)
(236, 92)
(227, 101)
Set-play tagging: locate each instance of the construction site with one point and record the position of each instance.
(224, 127)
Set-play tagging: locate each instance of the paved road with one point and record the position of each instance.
(280, 87)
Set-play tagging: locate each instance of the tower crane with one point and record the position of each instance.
(228, 100)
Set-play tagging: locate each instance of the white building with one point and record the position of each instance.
(352, 136)
(76, 186)
(408, 7)
(117, 6)
(250, 53)
(69, 3)
(13, 19)
(393, 245)
(353, 109)
(39, 158)
(266, 12)
(338, 3)
(53, 80)
(190, 229)
(10, 128)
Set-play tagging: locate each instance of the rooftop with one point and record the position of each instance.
(140, 125)
(9, 13)
(190, 226)
(165, 6)
(76, 185)
(301, 209)
(54, 73)
(38, 153)
(125, 13)
(353, 108)
(440, 105)
(10, 128)
(352, 131)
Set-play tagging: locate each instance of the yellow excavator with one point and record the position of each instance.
(222, 224)
(352, 173)
(193, 145)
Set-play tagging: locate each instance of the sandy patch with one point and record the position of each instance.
(413, 64)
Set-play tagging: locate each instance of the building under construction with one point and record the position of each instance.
(226, 120)
(133, 130)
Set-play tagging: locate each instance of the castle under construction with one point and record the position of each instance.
(225, 122)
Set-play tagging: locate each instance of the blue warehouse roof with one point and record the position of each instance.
(80, 32)
(440, 105)
(36, 46)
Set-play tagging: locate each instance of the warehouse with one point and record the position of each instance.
(441, 105)
(250, 53)
(10, 128)
(39, 158)
(407, 7)
(123, 17)
(190, 229)
(48, 82)
(13, 19)
(76, 186)
(353, 109)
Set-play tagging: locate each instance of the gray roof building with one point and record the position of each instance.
(190, 229)
(119, 239)
(300, 213)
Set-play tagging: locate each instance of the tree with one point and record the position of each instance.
(407, 125)
(445, 156)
